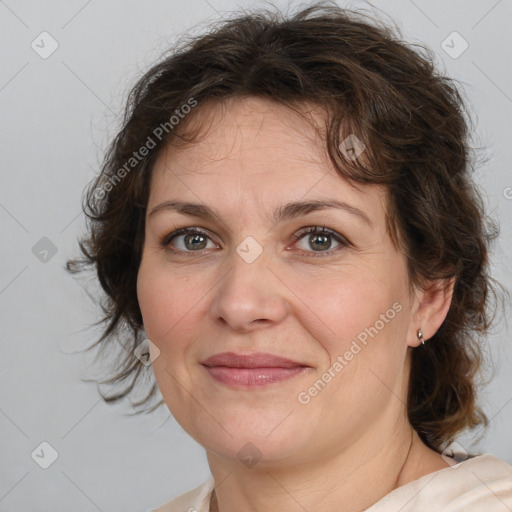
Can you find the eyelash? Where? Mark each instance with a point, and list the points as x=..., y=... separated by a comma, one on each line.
x=301, y=234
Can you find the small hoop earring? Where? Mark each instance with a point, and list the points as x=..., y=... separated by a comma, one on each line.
x=420, y=336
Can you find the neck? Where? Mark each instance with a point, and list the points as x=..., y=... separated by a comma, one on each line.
x=356, y=478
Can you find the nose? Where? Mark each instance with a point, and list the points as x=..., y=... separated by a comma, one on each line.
x=250, y=295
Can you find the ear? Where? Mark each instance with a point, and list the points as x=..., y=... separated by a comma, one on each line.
x=430, y=308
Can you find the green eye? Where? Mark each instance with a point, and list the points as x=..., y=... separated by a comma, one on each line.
x=321, y=238
x=194, y=240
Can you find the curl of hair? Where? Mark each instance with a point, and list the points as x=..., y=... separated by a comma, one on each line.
x=415, y=126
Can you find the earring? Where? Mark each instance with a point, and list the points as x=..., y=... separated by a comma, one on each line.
x=420, y=336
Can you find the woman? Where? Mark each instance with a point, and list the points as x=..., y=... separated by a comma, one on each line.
x=288, y=217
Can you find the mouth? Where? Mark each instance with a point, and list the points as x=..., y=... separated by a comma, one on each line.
x=254, y=370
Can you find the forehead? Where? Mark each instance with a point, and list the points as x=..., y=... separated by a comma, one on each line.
x=255, y=149
x=237, y=127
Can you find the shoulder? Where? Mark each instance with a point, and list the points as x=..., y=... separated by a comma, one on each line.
x=196, y=500
x=478, y=482
x=470, y=486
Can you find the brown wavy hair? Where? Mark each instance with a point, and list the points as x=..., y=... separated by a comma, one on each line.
x=416, y=128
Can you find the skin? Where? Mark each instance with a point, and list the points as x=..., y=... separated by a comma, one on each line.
x=352, y=443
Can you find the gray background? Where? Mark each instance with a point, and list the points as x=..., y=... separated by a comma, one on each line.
x=57, y=115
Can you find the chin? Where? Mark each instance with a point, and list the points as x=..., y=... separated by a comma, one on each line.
x=266, y=423
x=253, y=438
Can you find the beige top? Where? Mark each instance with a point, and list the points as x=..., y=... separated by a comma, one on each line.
x=479, y=484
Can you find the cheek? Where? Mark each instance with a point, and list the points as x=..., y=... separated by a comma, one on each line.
x=167, y=308
x=362, y=323
x=163, y=300
x=346, y=306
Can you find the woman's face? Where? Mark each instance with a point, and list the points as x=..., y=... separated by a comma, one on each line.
x=335, y=304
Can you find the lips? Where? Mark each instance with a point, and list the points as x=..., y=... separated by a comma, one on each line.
x=237, y=370
x=258, y=360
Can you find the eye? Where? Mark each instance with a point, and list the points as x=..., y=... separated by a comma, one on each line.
x=321, y=238
x=188, y=240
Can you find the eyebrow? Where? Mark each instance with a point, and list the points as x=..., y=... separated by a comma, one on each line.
x=285, y=212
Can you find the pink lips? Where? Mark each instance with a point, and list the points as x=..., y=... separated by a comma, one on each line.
x=252, y=370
